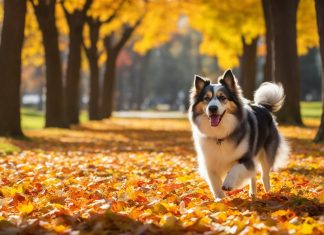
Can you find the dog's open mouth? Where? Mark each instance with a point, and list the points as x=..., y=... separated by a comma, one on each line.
x=215, y=119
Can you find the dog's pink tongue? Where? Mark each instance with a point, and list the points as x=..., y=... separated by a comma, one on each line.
x=214, y=120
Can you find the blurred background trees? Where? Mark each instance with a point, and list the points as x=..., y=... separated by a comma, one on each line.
x=109, y=55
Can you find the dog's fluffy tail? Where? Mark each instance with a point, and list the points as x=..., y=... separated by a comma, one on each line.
x=270, y=95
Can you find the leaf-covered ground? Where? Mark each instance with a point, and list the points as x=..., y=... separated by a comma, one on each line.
x=130, y=176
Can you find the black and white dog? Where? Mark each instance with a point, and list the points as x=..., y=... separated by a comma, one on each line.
x=233, y=136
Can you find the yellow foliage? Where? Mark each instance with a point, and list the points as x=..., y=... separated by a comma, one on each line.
x=73, y=5
x=160, y=22
x=307, y=35
x=33, y=52
x=223, y=24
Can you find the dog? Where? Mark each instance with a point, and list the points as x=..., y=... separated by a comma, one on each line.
x=233, y=136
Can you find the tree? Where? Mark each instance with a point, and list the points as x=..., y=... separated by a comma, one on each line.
x=248, y=67
x=45, y=14
x=285, y=61
x=320, y=26
x=142, y=24
x=76, y=16
x=94, y=23
x=12, y=38
x=113, y=48
x=93, y=55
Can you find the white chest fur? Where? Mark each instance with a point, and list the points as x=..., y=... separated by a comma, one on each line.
x=218, y=157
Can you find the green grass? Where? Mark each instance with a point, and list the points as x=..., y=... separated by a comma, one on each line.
x=311, y=110
x=32, y=119
x=6, y=147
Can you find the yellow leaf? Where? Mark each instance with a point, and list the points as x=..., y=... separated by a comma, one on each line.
x=307, y=228
x=11, y=191
x=25, y=208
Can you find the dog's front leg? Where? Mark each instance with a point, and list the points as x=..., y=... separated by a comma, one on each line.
x=215, y=184
x=238, y=174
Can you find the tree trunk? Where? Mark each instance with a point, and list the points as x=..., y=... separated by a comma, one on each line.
x=143, y=80
x=72, y=86
x=268, y=72
x=248, y=67
x=12, y=38
x=285, y=61
x=320, y=25
x=45, y=14
x=93, y=56
x=76, y=22
x=113, y=49
x=109, y=85
x=94, y=91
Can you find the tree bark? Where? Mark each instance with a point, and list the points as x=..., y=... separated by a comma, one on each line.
x=285, y=61
x=319, y=4
x=76, y=22
x=93, y=56
x=72, y=86
x=45, y=14
x=268, y=72
x=248, y=67
x=109, y=82
x=12, y=38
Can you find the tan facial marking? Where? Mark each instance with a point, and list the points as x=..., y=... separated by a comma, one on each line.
x=231, y=107
x=208, y=94
x=220, y=93
x=199, y=108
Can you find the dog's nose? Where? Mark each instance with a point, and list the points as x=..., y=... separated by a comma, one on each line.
x=213, y=109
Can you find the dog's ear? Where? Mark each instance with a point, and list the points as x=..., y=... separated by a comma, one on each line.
x=228, y=80
x=200, y=83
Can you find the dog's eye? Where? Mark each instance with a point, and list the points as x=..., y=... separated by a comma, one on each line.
x=222, y=98
x=206, y=99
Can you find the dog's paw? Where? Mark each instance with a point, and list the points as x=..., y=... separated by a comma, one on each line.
x=229, y=183
x=226, y=188
x=252, y=195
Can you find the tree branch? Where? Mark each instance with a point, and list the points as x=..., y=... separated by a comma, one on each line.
x=83, y=11
x=86, y=49
x=110, y=18
x=86, y=6
x=127, y=34
x=33, y=3
x=66, y=13
x=108, y=41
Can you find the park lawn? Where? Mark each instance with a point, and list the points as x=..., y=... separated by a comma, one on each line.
x=311, y=110
x=34, y=119
x=138, y=176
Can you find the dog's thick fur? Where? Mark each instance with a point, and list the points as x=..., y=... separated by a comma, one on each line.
x=233, y=136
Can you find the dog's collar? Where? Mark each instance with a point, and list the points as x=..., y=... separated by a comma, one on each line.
x=219, y=141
